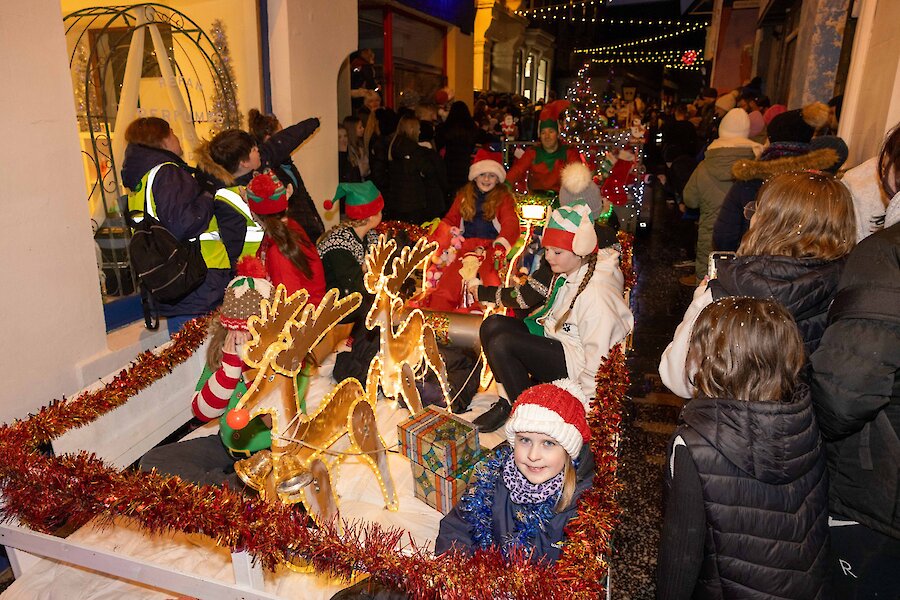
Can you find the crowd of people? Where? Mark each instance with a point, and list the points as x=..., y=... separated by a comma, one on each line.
x=783, y=475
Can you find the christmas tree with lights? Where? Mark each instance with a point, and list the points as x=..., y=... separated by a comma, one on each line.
x=584, y=119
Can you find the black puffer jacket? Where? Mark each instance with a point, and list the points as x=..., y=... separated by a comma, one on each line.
x=856, y=387
x=804, y=286
x=765, y=492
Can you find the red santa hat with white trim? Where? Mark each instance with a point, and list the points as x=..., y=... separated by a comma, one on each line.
x=486, y=161
x=557, y=409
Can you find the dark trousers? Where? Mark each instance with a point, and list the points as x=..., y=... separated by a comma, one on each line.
x=518, y=358
x=866, y=563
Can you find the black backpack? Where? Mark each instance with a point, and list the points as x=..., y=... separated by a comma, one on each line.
x=168, y=269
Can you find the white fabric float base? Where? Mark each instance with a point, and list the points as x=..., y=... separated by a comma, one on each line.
x=359, y=499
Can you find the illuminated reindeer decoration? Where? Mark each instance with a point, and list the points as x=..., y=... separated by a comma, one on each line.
x=296, y=469
x=406, y=344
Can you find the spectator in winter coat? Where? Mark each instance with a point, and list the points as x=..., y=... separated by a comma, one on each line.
x=347, y=172
x=413, y=169
x=184, y=206
x=746, y=510
x=275, y=148
x=712, y=179
x=456, y=139
x=788, y=150
x=856, y=394
x=800, y=233
x=873, y=185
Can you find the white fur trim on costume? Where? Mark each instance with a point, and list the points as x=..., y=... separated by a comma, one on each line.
x=576, y=177
x=537, y=419
x=503, y=242
x=487, y=166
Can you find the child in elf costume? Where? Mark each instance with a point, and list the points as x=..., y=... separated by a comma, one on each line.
x=524, y=495
x=583, y=317
x=485, y=213
x=542, y=164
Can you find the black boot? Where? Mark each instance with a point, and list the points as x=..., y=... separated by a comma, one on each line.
x=495, y=417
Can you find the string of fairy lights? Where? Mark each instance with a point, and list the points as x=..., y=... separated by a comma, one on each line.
x=646, y=40
x=566, y=12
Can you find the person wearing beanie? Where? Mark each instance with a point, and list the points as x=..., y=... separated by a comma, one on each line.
x=788, y=150
x=484, y=216
x=343, y=248
x=522, y=496
x=757, y=127
x=290, y=258
x=711, y=180
x=210, y=459
x=542, y=164
x=584, y=316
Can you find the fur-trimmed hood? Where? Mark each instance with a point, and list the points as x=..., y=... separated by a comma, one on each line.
x=746, y=170
x=206, y=164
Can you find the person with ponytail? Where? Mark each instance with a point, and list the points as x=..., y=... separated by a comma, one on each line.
x=585, y=315
x=288, y=254
x=275, y=147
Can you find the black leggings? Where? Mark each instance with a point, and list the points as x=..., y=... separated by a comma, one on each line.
x=518, y=358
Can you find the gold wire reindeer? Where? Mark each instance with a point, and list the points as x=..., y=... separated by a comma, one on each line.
x=294, y=470
x=407, y=345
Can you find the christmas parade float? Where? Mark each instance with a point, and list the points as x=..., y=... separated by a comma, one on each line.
x=387, y=472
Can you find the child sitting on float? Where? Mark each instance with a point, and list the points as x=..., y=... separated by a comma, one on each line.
x=523, y=496
x=210, y=459
x=483, y=216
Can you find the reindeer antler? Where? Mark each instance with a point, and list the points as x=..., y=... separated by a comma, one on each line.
x=407, y=262
x=268, y=327
x=376, y=261
x=304, y=333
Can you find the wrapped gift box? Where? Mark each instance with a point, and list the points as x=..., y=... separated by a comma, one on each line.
x=439, y=492
x=440, y=442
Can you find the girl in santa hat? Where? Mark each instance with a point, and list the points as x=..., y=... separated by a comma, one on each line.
x=484, y=213
x=525, y=493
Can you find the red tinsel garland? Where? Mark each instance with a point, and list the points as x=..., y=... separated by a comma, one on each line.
x=415, y=232
x=46, y=492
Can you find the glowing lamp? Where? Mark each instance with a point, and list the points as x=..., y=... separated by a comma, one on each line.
x=533, y=212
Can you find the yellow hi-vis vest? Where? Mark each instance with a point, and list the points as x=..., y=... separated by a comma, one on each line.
x=254, y=233
x=211, y=246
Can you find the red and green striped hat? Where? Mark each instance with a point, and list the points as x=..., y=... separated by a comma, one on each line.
x=550, y=114
x=361, y=200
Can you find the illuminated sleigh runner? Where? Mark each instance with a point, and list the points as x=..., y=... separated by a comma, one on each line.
x=297, y=468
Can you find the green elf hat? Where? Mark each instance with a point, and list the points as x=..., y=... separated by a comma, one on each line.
x=361, y=200
x=550, y=114
x=266, y=194
x=570, y=228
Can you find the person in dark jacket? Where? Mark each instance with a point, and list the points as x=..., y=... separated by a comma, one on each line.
x=788, y=150
x=275, y=148
x=456, y=139
x=794, y=252
x=747, y=482
x=410, y=168
x=524, y=494
x=856, y=394
x=184, y=207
